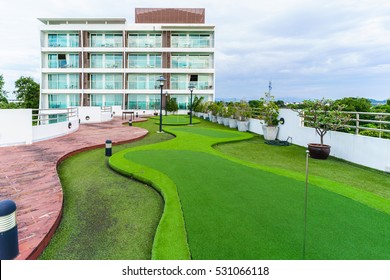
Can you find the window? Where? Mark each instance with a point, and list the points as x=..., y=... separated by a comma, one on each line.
x=96, y=60
x=96, y=100
x=137, y=60
x=154, y=61
x=63, y=60
x=113, y=60
x=137, y=81
x=63, y=81
x=179, y=81
x=63, y=100
x=179, y=61
x=143, y=102
x=145, y=40
x=96, y=81
x=113, y=100
x=63, y=40
x=113, y=81
x=110, y=40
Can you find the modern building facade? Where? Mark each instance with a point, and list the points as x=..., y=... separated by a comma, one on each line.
x=107, y=62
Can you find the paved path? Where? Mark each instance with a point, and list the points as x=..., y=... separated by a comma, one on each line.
x=28, y=176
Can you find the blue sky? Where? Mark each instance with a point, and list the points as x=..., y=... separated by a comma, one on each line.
x=309, y=49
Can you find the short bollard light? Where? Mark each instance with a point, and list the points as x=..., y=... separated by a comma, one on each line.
x=130, y=122
x=9, y=245
x=108, y=148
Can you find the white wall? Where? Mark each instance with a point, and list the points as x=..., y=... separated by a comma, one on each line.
x=368, y=151
x=15, y=127
x=44, y=132
x=93, y=115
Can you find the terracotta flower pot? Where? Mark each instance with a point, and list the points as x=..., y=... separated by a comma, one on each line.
x=318, y=151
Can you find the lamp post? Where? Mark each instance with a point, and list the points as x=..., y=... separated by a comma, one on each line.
x=166, y=101
x=191, y=88
x=161, y=80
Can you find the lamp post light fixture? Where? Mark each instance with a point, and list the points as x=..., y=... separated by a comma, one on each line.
x=191, y=88
x=161, y=81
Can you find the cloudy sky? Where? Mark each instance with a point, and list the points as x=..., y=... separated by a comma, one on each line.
x=307, y=48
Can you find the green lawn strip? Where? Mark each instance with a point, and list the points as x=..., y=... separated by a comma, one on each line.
x=170, y=241
x=241, y=212
x=106, y=215
x=292, y=158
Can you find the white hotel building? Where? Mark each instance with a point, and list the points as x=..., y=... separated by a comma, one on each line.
x=107, y=62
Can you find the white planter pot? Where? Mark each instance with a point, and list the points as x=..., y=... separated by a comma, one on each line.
x=226, y=121
x=214, y=119
x=210, y=116
x=205, y=116
x=242, y=125
x=220, y=120
x=232, y=123
x=270, y=132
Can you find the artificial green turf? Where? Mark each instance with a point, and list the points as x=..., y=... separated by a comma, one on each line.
x=246, y=213
x=176, y=120
x=241, y=210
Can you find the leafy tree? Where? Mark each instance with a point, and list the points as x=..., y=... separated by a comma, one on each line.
x=27, y=91
x=3, y=93
x=254, y=103
x=280, y=103
x=388, y=102
x=354, y=104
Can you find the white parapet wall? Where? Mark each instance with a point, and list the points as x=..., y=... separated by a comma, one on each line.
x=49, y=131
x=93, y=115
x=368, y=151
x=15, y=127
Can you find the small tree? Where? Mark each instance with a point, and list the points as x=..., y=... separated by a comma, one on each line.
x=269, y=110
x=323, y=116
x=172, y=105
x=243, y=111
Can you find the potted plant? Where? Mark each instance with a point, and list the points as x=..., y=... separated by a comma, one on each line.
x=323, y=116
x=214, y=111
x=232, y=113
x=243, y=113
x=220, y=110
x=269, y=112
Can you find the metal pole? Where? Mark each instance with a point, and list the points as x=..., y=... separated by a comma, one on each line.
x=305, y=207
x=191, y=107
x=161, y=90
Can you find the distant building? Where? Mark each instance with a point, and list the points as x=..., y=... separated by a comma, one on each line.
x=107, y=62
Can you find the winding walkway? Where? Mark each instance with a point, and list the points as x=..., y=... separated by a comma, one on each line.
x=28, y=176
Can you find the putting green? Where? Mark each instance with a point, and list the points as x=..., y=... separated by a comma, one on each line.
x=236, y=210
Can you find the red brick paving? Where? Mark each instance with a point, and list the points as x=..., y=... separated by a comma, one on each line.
x=28, y=176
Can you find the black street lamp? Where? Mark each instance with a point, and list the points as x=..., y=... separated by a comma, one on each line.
x=191, y=88
x=161, y=80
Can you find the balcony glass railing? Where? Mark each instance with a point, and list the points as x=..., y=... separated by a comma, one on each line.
x=62, y=64
x=106, y=85
x=191, y=43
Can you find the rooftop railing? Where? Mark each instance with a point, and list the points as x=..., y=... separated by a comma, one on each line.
x=360, y=123
x=50, y=116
